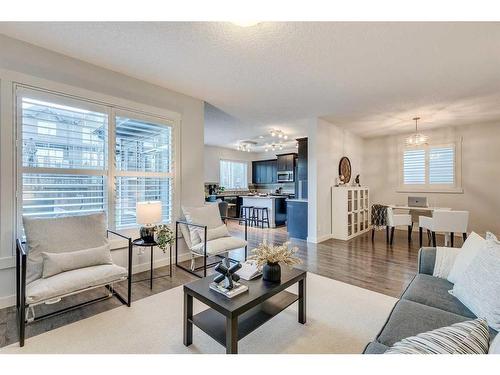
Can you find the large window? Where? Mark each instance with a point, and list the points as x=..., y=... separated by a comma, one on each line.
x=430, y=167
x=233, y=174
x=66, y=168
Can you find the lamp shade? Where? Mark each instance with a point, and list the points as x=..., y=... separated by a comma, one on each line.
x=148, y=212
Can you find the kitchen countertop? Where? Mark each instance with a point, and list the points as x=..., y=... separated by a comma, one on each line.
x=265, y=197
x=297, y=200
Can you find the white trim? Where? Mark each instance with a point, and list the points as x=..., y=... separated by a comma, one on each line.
x=456, y=188
x=319, y=239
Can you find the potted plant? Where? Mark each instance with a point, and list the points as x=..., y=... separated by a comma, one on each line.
x=164, y=236
x=269, y=257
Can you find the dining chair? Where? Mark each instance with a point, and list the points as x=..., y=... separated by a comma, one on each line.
x=444, y=221
x=396, y=220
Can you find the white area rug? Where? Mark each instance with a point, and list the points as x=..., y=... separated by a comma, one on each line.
x=341, y=318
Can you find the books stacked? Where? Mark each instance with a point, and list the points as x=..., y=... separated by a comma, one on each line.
x=229, y=293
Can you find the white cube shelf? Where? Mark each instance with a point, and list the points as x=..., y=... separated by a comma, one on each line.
x=350, y=211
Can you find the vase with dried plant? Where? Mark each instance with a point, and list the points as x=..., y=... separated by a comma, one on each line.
x=269, y=257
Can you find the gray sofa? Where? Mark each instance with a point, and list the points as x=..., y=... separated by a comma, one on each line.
x=425, y=305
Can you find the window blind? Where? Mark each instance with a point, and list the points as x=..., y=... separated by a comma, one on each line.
x=233, y=174
x=130, y=190
x=414, y=167
x=57, y=136
x=442, y=165
x=142, y=146
x=51, y=195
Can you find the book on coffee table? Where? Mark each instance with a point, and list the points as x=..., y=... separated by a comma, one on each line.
x=237, y=289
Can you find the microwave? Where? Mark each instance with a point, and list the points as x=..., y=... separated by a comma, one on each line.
x=285, y=176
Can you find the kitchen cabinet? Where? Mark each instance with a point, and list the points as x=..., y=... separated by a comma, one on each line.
x=286, y=162
x=264, y=172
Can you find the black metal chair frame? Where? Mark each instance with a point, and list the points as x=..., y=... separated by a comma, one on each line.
x=205, y=256
x=22, y=306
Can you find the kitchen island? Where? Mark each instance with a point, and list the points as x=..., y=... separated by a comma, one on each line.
x=276, y=207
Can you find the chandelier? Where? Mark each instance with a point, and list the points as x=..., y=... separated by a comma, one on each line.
x=416, y=139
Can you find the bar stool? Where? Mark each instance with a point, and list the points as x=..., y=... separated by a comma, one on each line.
x=246, y=212
x=260, y=216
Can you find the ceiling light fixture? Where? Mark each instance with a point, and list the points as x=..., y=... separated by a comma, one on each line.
x=245, y=23
x=416, y=139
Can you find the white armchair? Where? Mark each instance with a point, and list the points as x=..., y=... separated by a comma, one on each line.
x=444, y=221
x=206, y=235
x=396, y=220
x=61, y=257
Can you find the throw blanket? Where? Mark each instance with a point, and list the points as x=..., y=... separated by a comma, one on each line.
x=379, y=216
x=445, y=257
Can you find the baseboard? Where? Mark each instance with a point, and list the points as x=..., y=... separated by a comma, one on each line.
x=9, y=301
x=319, y=239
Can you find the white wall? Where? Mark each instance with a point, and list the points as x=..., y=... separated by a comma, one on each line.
x=480, y=174
x=327, y=144
x=213, y=155
x=33, y=61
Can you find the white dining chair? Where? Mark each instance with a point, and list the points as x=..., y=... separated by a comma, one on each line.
x=397, y=220
x=444, y=221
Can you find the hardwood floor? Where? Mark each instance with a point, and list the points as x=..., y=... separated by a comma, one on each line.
x=376, y=266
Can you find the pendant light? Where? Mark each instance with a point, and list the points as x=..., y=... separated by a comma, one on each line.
x=416, y=139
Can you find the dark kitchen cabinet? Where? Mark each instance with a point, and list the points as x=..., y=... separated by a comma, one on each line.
x=302, y=159
x=264, y=172
x=286, y=162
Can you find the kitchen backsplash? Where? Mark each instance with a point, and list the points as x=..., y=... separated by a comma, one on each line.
x=287, y=188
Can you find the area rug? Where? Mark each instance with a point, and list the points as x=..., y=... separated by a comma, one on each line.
x=341, y=318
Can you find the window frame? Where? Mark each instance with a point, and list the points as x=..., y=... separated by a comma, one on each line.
x=132, y=110
x=456, y=187
x=245, y=162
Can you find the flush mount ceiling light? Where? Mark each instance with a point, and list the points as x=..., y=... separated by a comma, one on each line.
x=246, y=23
x=416, y=139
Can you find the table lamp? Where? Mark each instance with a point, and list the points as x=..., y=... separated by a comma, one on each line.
x=148, y=215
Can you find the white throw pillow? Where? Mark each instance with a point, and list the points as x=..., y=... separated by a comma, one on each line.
x=445, y=259
x=495, y=345
x=208, y=215
x=469, y=250
x=219, y=232
x=55, y=263
x=479, y=287
x=470, y=337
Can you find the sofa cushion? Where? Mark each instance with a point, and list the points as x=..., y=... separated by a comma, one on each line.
x=434, y=292
x=410, y=318
x=73, y=281
x=54, y=263
x=60, y=235
x=220, y=245
x=375, y=348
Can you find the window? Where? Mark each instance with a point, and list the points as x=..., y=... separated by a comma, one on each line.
x=143, y=167
x=66, y=169
x=430, y=168
x=233, y=174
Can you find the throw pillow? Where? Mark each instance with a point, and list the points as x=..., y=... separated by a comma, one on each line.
x=445, y=259
x=208, y=215
x=469, y=250
x=470, y=337
x=55, y=263
x=219, y=232
x=478, y=288
x=495, y=345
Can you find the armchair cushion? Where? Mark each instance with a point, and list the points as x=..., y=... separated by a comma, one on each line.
x=60, y=235
x=208, y=215
x=73, y=281
x=220, y=245
x=54, y=263
x=219, y=232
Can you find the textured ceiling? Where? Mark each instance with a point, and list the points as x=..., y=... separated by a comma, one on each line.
x=371, y=78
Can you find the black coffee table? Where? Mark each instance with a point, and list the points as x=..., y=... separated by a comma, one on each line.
x=230, y=319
